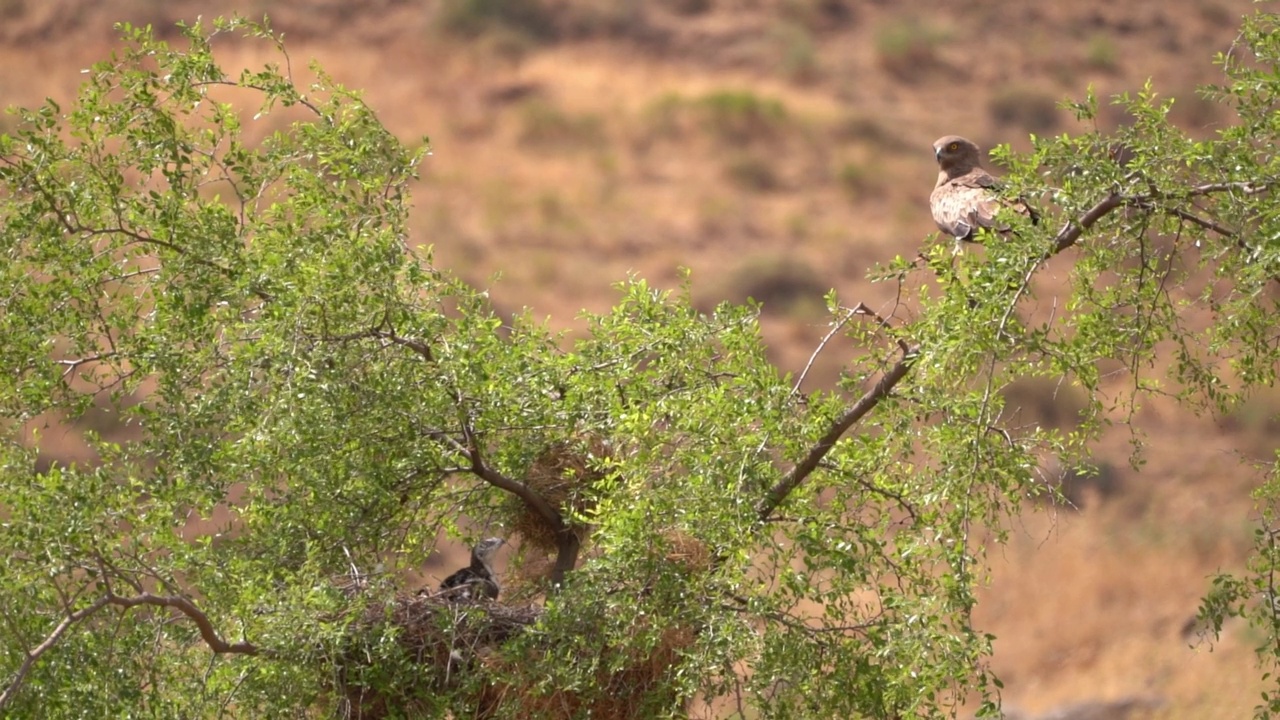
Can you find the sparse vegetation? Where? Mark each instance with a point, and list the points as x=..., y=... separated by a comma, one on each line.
x=908, y=48
x=687, y=7
x=1255, y=421
x=859, y=181
x=782, y=285
x=732, y=117
x=817, y=15
x=741, y=116
x=1078, y=487
x=1027, y=108
x=753, y=172
x=546, y=126
x=471, y=18
x=799, y=55
x=1101, y=53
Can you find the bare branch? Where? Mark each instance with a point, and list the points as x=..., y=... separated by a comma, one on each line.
x=1071, y=232
x=385, y=332
x=1244, y=188
x=296, y=98
x=417, y=346
x=864, y=309
x=72, y=365
x=898, y=497
x=195, y=614
x=835, y=328
x=865, y=404
x=1202, y=222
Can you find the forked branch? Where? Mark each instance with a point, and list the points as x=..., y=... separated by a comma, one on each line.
x=1066, y=237
x=865, y=404
x=33, y=655
x=183, y=605
x=567, y=542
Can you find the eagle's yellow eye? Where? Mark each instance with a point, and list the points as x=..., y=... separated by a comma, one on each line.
x=953, y=146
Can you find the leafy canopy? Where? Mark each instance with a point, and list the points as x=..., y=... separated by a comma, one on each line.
x=300, y=403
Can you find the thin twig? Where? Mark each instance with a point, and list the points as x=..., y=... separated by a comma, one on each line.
x=1202, y=222
x=835, y=328
x=864, y=309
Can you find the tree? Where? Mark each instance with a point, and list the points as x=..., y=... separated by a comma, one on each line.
x=692, y=527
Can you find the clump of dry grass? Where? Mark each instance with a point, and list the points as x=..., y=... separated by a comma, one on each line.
x=1026, y=108
x=907, y=48
x=563, y=475
x=686, y=551
x=783, y=285
x=471, y=18
x=752, y=172
x=549, y=127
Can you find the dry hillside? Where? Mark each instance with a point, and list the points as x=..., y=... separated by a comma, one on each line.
x=778, y=149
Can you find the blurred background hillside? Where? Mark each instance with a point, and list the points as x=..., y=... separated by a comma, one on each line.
x=779, y=149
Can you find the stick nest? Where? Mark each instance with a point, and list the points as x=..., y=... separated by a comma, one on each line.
x=443, y=637
x=453, y=647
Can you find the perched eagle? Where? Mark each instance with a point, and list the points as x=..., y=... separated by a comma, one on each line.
x=476, y=580
x=965, y=197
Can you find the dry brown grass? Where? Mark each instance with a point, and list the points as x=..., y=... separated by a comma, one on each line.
x=564, y=475
x=685, y=551
x=1098, y=604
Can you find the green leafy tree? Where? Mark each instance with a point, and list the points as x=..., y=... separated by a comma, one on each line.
x=691, y=527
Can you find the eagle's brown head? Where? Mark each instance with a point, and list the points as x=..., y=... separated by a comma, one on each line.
x=956, y=155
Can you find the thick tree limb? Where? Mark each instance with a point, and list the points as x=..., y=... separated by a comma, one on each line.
x=798, y=474
x=177, y=602
x=195, y=614
x=519, y=489
x=567, y=542
x=34, y=654
x=1072, y=231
